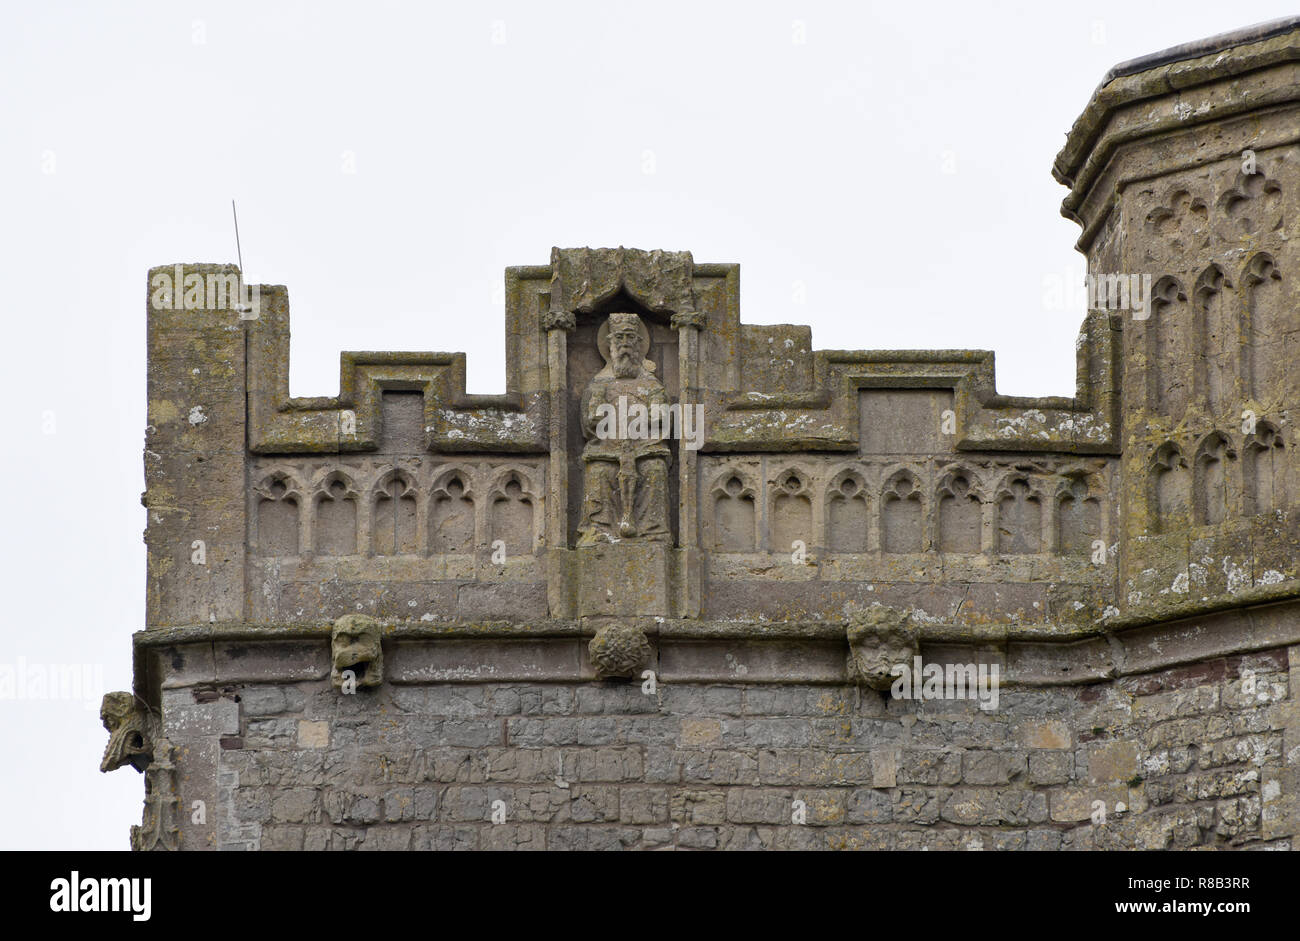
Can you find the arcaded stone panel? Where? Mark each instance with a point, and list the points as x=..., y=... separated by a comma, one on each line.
x=1209, y=477
x=1181, y=758
x=1030, y=541
x=194, y=453
x=448, y=508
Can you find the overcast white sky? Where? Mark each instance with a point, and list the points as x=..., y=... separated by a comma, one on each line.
x=880, y=171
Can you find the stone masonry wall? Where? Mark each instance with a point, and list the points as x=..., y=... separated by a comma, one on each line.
x=481, y=567
x=1186, y=757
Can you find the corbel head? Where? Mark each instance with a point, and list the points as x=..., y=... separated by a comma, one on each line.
x=880, y=637
x=355, y=648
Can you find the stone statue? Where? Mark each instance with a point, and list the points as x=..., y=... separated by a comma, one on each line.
x=624, y=419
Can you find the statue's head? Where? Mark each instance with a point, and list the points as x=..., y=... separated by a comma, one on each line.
x=627, y=346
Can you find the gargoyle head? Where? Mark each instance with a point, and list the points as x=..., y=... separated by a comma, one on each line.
x=130, y=732
x=879, y=638
x=355, y=646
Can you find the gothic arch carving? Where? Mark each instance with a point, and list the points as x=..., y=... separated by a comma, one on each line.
x=1078, y=515
x=335, y=514
x=512, y=518
x=1019, y=516
x=1267, y=368
x=959, y=512
x=1210, y=478
x=395, y=521
x=733, y=498
x=1170, y=496
x=1217, y=364
x=1264, y=470
x=452, y=517
x=278, y=514
x=848, y=518
x=791, y=509
x=901, y=513
x=1168, y=358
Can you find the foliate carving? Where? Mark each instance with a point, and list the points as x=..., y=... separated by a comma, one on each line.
x=131, y=732
x=619, y=650
x=582, y=278
x=689, y=318
x=355, y=648
x=159, y=829
x=559, y=319
x=625, y=480
x=880, y=637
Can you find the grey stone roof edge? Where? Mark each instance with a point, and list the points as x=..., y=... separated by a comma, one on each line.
x=1171, y=70
x=1201, y=47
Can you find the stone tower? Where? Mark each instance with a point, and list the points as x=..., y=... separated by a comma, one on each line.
x=690, y=583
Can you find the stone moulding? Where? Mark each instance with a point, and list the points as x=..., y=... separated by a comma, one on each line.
x=455, y=421
x=690, y=651
x=517, y=422
x=1127, y=108
x=1085, y=424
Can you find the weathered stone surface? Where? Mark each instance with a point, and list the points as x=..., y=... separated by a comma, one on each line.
x=1095, y=599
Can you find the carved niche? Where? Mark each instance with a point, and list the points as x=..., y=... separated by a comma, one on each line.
x=596, y=293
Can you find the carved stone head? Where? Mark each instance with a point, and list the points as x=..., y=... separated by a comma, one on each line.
x=130, y=732
x=880, y=637
x=355, y=646
x=627, y=345
x=619, y=650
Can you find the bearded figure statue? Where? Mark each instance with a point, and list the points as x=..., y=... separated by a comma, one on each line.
x=625, y=423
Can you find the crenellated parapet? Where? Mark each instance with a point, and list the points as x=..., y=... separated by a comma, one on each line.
x=700, y=556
